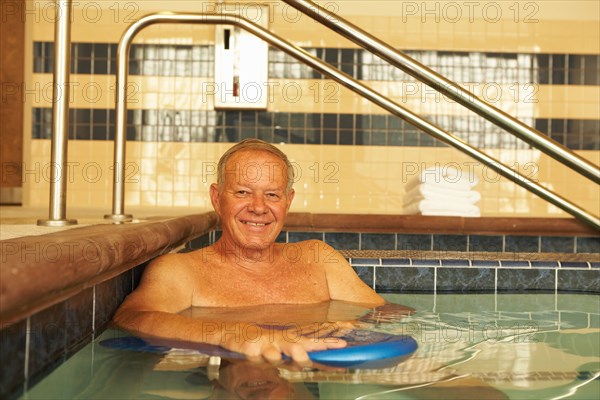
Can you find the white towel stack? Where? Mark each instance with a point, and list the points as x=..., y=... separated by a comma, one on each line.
x=442, y=191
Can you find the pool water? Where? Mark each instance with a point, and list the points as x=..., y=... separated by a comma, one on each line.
x=471, y=346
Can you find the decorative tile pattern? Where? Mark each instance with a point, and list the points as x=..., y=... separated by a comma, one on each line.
x=485, y=263
x=522, y=244
x=557, y=244
x=342, y=240
x=454, y=263
x=377, y=241
x=465, y=280
x=574, y=280
x=365, y=261
x=414, y=242
x=404, y=279
x=544, y=264
x=450, y=243
x=514, y=264
x=588, y=244
x=300, y=236
x=486, y=243
x=189, y=125
x=366, y=274
x=516, y=279
x=396, y=261
x=198, y=60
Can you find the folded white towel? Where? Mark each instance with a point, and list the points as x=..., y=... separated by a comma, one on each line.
x=441, y=193
x=429, y=207
x=444, y=176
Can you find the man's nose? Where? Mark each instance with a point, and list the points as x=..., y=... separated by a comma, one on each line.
x=257, y=204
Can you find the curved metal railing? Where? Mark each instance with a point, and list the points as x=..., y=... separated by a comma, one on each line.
x=447, y=87
x=322, y=67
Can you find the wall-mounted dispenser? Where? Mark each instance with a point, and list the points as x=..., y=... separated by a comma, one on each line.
x=241, y=65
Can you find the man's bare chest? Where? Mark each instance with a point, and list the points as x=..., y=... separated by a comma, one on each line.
x=297, y=284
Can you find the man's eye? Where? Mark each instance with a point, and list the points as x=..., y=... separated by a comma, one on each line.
x=272, y=195
x=242, y=192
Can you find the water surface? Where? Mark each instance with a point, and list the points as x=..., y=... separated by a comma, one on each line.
x=485, y=346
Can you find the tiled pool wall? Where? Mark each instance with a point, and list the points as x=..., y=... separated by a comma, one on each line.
x=455, y=263
x=56, y=299
x=33, y=347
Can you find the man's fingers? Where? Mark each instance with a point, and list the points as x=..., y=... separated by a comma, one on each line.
x=298, y=353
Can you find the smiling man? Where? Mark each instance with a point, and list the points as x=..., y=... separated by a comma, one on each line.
x=245, y=267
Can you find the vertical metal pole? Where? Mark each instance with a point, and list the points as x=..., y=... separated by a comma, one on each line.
x=60, y=117
x=118, y=207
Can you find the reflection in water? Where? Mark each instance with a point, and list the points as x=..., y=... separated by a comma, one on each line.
x=483, y=353
x=245, y=380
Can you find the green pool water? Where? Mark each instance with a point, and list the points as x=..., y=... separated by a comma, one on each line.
x=471, y=346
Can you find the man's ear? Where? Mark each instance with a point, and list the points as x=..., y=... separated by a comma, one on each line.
x=290, y=197
x=214, y=197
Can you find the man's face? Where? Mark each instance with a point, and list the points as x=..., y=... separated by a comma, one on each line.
x=253, y=201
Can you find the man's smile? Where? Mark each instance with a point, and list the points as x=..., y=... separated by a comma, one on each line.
x=257, y=224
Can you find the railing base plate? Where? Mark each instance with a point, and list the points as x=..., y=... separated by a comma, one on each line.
x=119, y=218
x=56, y=222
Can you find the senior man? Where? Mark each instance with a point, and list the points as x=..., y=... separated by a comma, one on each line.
x=245, y=267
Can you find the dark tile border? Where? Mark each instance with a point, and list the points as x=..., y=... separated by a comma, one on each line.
x=461, y=276
x=59, y=331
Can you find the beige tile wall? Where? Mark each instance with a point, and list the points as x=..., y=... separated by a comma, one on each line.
x=344, y=179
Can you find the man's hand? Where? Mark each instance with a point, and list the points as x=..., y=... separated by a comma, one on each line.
x=270, y=343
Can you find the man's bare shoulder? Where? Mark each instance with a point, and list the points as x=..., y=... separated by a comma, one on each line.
x=166, y=285
x=172, y=266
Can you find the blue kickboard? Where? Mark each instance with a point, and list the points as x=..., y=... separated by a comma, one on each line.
x=365, y=349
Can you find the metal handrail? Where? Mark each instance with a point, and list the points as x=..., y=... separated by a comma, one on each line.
x=447, y=87
x=57, y=213
x=322, y=67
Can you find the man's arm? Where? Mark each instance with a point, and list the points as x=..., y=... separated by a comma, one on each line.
x=166, y=289
x=342, y=281
x=151, y=310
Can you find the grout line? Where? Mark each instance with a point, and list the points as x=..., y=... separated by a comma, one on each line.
x=496, y=281
x=27, y=349
x=435, y=278
x=374, y=276
x=93, y=312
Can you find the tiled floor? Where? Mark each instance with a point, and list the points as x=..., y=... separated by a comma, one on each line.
x=16, y=221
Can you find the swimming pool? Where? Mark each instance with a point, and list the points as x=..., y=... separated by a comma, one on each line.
x=480, y=346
